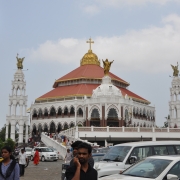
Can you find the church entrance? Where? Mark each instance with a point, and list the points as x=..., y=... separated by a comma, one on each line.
x=52, y=128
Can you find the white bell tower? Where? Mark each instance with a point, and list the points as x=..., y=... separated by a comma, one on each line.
x=174, y=104
x=18, y=105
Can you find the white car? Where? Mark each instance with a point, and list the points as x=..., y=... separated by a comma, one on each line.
x=28, y=151
x=154, y=167
x=118, y=158
x=45, y=154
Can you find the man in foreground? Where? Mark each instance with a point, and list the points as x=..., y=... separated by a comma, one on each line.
x=81, y=169
x=75, y=151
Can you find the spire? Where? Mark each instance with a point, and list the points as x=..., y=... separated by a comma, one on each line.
x=90, y=57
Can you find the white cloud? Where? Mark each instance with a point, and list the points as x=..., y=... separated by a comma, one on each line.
x=151, y=50
x=120, y=3
x=91, y=9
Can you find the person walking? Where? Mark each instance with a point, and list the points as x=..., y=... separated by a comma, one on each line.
x=22, y=161
x=36, y=157
x=82, y=170
x=69, y=156
x=9, y=169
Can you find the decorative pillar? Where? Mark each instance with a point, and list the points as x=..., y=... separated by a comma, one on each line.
x=122, y=120
x=103, y=116
x=7, y=130
x=75, y=109
x=87, y=121
x=26, y=138
x=13, y=132
x=21, y=110
x=20, y=134
x=9, y=110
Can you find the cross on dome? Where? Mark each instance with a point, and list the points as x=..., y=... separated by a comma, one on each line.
x=89, y=43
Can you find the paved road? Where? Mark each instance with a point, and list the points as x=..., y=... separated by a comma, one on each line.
x=43, y=171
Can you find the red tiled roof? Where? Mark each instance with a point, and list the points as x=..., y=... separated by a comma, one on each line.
x=88, y=71
x=81, y=90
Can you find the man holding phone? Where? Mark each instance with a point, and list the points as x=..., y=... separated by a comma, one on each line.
x=81, y=169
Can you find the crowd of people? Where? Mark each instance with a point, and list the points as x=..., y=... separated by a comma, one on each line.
x=78, y=155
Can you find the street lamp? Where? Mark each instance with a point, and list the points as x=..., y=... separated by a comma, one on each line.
x=85, y=136
x=141, y=138
x=95, y=138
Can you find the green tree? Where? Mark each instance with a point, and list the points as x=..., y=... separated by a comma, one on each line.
x=1, y=144
x=3, y=133
x=10, y=142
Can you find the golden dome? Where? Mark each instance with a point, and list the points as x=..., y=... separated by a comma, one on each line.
x=90, y=58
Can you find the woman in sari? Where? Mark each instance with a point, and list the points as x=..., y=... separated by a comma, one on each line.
x=36, y=157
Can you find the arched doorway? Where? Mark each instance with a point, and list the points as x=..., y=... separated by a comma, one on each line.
x=72, y=113
x=65, y=126
x=45, y=128
x=45, y=113
x=34, y=130
x=112, y=120
x=34, y=114
x=52, y=112
x=71, y=125
x=65, y=111
x=59, y=128
x=52, y=127
x=95, y=118
x=79, y=113
x=40, y=128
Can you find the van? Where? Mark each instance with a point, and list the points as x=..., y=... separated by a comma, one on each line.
x=121, y=156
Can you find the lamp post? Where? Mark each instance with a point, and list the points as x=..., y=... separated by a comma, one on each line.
x=141, y=138
x=95, y=138
x=85, y=136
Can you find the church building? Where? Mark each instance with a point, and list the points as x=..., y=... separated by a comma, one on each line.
x=90, y=96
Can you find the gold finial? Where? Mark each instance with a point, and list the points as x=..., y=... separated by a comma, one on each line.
x=107, y=65
x=19, y=62
x=175, y=69
x=89, y=43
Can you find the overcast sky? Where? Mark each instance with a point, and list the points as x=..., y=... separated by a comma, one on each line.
x=141, y=36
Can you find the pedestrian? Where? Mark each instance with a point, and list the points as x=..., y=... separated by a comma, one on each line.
x=82, y=170
x=75, y=151
x=68, y=156
x=36, y=157
x=9, y=169
x=22, y=161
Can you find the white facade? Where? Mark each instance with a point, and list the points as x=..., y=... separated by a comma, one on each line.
x=17, y=108
x=174, y=103
x=106, y=107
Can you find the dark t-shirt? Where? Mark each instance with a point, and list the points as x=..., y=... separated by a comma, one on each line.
x=90, y=174
x=90, y=161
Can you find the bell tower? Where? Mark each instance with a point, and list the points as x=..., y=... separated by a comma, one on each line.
x=174, y=104
x=17, y=106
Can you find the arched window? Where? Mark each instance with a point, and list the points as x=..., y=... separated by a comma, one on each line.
x=72, y=113
x=45, y=113
x=34, y=114
x=95, y=114
x=53, y=112
x=59, y=112
x=79, y=113
x=112, y=114
x=95, y=118
x=112, y=119
x=65, y=126
x=40, y=113
x=71, y=125
x=45, y=128
x=52, y=127
x=34, y=129
x=39, y=128
x=126, y=115
x=65, y=111
x=59, y=128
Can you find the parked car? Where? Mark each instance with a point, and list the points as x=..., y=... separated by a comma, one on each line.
x=97, y=156
x=45, y=154
x=101, y=150
x=154, y=167
x=119, y=156
x=28, y=151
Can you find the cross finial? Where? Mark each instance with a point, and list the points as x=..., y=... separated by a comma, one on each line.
x=90, y=41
